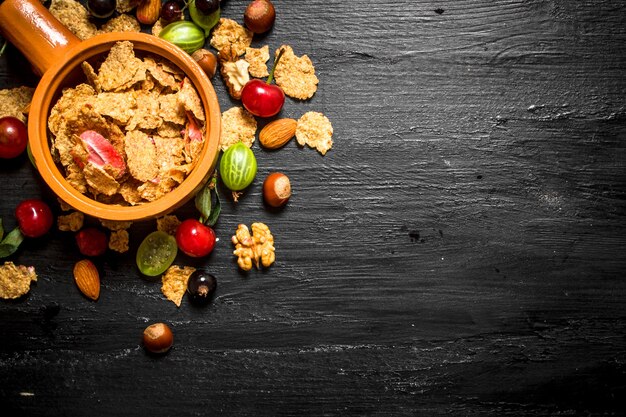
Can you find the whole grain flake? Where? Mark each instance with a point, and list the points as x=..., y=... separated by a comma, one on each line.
x=75, y=17
x=238, y=125
x=15, y=280
x=14, y=101
x=295, y=75
x=257, y=58
x=314, y=129
x=174, y=283
x=230, y=33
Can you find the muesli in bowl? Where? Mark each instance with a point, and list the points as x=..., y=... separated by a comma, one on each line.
x=132, y=133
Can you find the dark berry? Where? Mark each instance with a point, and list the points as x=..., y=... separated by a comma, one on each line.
x=92, y=241
x=207, y=6
x=171, y=11
x=201, y=286
x=101, y=8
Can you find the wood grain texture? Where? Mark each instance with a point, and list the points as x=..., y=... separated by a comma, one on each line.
x=459, y=251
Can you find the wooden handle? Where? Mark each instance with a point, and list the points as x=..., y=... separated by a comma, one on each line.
x=29, y=26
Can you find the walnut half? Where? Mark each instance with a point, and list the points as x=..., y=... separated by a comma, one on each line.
x=257, y=247
x=234, y=71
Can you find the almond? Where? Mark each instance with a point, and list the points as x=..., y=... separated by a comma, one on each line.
x=277, y=133
x=149, y=11
x=87, y=278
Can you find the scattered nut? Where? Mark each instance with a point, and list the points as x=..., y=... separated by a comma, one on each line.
x=259, y=16
x=258, y=246
x=276, y=189
x=158, y=338
x=207, y=61
x=87, y=279
x=277, y=133
x=149, y=11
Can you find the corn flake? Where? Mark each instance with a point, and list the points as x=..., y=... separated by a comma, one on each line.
x=15, y=280
x=141, y=156
x=72, y=222
x=120, y=68
x=124, y=6
x=118, y=241
x=230, y=33
x=14, y=101
x=75, y=17
x=314, y=129
x=122, y=23
x=295, y=75
x=174, y=283
x=257, y=58
x=238, y=125
x=168, y=224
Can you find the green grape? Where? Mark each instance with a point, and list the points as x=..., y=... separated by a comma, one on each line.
x=156, y=253
x=205, y=21
x=238, y=167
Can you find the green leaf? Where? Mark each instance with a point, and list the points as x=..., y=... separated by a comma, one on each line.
x=11, y=242
x=216, y=209
x=203, y=203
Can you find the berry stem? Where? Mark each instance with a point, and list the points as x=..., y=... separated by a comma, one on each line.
x=271, y=76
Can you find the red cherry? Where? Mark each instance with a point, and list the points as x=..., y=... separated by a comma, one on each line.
x=13, y=137
x=92, y=241
x=194, y=238
x=262, y=98
x=34, y=217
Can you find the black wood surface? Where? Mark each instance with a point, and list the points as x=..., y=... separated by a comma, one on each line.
x=459, y=251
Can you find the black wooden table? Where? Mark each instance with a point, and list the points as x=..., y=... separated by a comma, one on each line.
x=459, y=251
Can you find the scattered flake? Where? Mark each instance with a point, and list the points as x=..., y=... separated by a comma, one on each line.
x=15, y=280
x=175, y=283
x=14, y=101
x=72, y=222
x=75, y=17
x=295, y=75
x=257, y=58
x=115, y=225
x=141, y=156
x=118, y=241
x=157, y=27
x=122, y=23
x=124, y=6
x=168, y=224
x=315, y=130
x=238, y=125
x=230, y=33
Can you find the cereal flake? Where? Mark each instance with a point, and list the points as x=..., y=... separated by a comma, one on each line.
x=15, y=280
x=257, y=58
x=14, y=101
x=238, y=125
x=230, y=33
x=314, y=129
x=174, y=283
x=168, y=224
x=118, y=241
x=75, y=17
x=122, y=23
x=295, y=75
x=72, y=222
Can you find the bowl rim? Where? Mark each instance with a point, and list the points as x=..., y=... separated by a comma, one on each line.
x=54, y=78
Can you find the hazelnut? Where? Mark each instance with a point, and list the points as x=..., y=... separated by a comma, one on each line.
x=276, y=189
x=207, y=61
x=158, y=338
x=259, y=16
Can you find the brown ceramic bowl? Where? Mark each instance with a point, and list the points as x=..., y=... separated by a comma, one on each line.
x=57, y=54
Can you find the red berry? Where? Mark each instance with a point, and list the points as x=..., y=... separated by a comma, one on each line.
x=13, y=137
x=34, y=217
x=91, y=241
x=194, y=238
x=261, y=99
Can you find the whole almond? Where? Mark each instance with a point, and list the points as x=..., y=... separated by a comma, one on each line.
x=277, y=133
x=87, y=278
x=149, y=11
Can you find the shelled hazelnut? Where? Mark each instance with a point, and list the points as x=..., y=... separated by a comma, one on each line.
x=158, y=338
